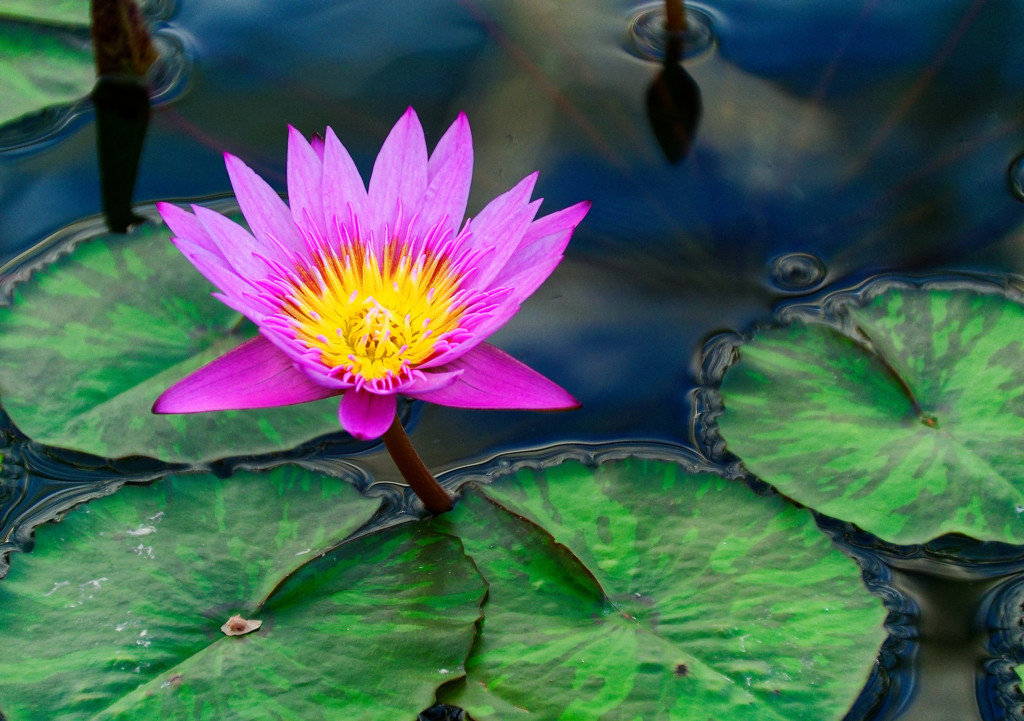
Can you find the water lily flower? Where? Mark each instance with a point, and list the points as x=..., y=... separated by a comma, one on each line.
x=371, y=292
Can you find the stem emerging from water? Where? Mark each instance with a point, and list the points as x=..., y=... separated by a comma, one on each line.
x=675, y=17
x=419, y=478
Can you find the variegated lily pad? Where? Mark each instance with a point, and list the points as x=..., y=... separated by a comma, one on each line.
x=905, y=418
x=117, y=612
x=639, y=590
x=91, y=340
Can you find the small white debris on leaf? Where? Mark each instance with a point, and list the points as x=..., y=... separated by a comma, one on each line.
x=238, y=626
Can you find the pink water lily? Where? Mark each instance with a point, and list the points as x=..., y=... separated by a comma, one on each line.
x=371, y=292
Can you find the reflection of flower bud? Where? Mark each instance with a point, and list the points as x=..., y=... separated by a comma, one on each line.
x=120, y=38
x=122, y=117
x=674, y=108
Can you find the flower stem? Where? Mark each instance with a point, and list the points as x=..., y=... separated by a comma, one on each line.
x=675, y=16
x=419, y=478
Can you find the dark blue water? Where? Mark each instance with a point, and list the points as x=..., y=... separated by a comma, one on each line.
x=837, y=140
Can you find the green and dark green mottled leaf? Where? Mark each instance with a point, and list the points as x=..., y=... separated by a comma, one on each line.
x=117, y=611
x=42, y=67
x=832, y=422
x=68, y=13
x=91, y=341
x=638, y=590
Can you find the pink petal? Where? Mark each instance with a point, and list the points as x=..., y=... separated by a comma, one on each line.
x=493, y=379
x=247, y=305
x=500, y=227
x=449, y=172
x=211, y=255
x=533, y=261
x=235, y=243
x=253, y=375
x=540, y=251
x=268, y=216
x=186, y=226
x=279, y=333
x=366, y=415
x=237, y=290
x=342, y=186
x=317, y=143
x=305, y=185
x=399, y=173
x=431, y=381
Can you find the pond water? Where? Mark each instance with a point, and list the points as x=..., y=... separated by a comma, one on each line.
x=837, y=141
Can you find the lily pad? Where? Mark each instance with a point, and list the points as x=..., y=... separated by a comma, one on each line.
x=43, y=67
x=50, y=64
x=74, y=13
x=90, y=341
x=639, y=590
x=117, y=612
x=904, y=418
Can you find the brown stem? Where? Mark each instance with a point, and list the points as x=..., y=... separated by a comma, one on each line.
x=675, y=16
x=419, y=478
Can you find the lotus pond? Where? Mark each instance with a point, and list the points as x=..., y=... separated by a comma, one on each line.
x=793, y=318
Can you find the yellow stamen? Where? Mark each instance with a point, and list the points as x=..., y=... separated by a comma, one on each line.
x=375, y=318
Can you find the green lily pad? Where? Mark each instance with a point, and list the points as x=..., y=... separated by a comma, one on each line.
x=73, y=13
x=91, y=341
x=908, y=424
x=117, y=612
x=638, y=590
x=43, y=67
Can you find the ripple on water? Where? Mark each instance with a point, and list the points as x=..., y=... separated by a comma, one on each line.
x=798, y=272
x=1015, y=177
x=647, y=36
x=165, y=81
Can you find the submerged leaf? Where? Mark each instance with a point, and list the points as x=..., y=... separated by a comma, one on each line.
x=638, y=590
x=909, y=426
x=92, y=340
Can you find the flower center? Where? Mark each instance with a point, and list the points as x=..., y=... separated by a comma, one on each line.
x=375, y=319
